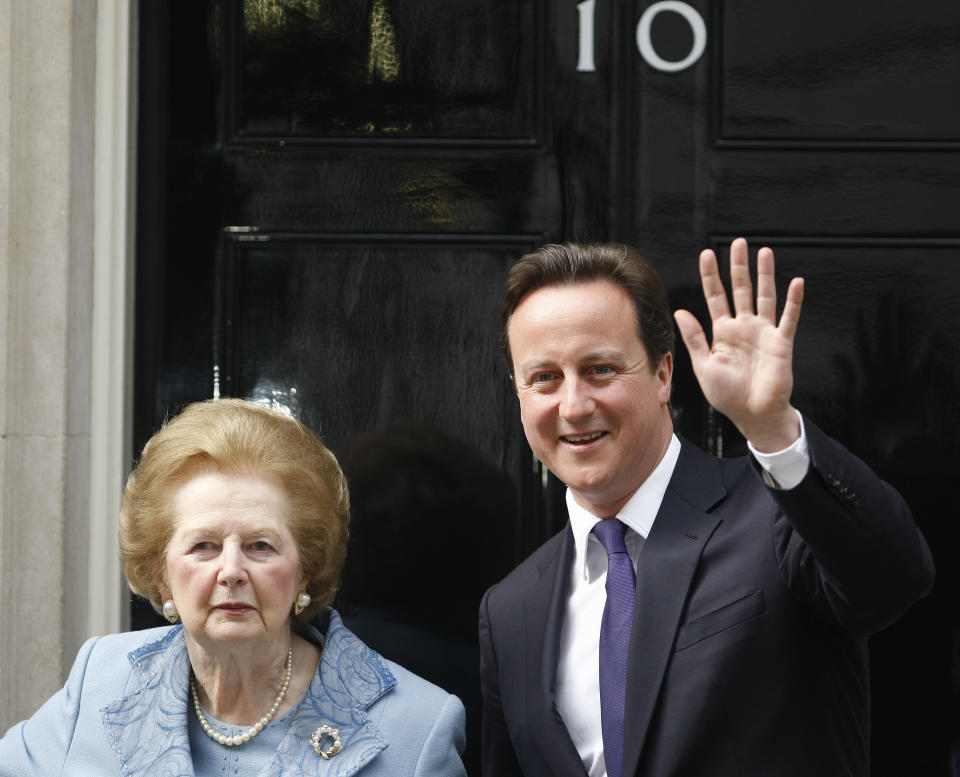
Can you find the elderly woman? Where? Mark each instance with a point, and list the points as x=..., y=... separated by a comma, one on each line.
x=234, y=526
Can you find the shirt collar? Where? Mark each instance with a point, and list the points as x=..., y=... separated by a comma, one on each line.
x=638, y=513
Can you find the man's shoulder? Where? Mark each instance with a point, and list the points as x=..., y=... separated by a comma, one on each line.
x=531, y=570
x=700, y=475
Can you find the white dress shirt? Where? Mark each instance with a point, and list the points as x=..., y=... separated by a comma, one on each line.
x=578, y=670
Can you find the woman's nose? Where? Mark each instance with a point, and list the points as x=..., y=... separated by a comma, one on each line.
x=233, y=569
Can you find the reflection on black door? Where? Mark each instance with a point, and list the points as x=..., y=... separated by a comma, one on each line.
x=330, y=192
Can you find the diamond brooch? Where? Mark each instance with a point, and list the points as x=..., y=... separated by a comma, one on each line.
x=326, y=741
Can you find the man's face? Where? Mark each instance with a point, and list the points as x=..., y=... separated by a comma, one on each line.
x=593, y=409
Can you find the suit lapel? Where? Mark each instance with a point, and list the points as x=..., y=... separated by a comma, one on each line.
x=544, y=611
x=667, y=563
x=148, y=727
x=350, y=679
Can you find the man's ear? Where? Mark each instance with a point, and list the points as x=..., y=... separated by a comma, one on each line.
x=664, y=375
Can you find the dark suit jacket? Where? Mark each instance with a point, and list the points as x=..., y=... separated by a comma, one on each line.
x=748, y=654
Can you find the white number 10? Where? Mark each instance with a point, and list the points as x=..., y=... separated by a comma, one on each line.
x=586, y=9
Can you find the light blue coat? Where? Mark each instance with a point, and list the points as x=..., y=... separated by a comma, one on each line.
x=123, y=712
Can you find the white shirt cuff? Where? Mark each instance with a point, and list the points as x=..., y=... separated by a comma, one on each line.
x=785, y=469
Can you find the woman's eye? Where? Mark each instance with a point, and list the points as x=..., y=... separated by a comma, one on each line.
x=261, y=545
x=203, y=545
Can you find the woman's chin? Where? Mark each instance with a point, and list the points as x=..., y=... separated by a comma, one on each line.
x=234, y=629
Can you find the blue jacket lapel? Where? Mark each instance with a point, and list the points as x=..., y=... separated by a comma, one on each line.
x=667, y=563
x=351, y=678
x=148, y=725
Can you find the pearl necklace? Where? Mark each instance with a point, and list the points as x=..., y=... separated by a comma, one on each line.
x=251, y=732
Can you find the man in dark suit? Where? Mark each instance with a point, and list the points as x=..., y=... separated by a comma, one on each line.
x=757, y=580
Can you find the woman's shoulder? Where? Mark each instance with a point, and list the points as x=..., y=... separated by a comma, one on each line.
x=368, y=675
x=105, y=663
x=423, y=723
x=145, y=642
x=415, y=689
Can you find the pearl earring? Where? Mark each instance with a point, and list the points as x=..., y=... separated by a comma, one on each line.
x=303, y=601
x=170, y=611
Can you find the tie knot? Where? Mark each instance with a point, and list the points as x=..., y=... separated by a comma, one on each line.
x=610, y=532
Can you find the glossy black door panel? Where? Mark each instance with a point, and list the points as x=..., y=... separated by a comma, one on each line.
x=823, y=72
x=385, y=191
x=357, y=334
x=888, y=193
x=306, y=71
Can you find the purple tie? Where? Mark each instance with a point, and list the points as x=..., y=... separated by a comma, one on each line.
x=615, y=641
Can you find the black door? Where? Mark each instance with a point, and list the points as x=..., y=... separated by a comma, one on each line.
x=331, y=191
x=830, y=132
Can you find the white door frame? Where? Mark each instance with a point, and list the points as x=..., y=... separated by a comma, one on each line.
x=112, y=336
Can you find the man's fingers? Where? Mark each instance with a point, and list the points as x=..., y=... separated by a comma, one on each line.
x=742, y=293
x=693, y=336
x=790, y=317
x=713, y=291
x=766, y=286
x=740, y=287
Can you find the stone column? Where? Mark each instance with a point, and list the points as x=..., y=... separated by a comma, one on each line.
x=48, y=269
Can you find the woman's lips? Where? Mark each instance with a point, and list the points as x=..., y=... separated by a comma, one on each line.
x=234, y=608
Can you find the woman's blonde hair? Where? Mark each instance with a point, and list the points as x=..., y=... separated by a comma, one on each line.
x=236, y=437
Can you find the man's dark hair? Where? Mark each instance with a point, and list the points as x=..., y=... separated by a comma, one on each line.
x=570, y=264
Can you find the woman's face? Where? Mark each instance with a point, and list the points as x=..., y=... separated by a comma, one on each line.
x=232, y=566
